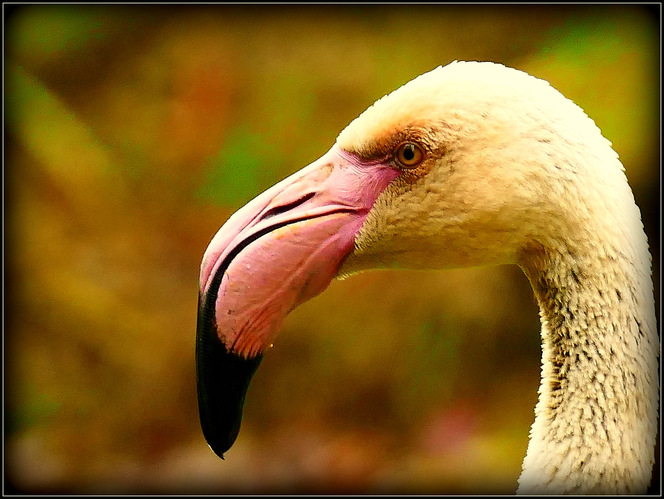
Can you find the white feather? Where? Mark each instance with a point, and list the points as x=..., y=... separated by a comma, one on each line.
x=517, y=173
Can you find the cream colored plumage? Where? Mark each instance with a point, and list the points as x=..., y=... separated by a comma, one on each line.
x=516, y=173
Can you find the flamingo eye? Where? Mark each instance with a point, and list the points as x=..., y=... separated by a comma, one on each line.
x=409, y=155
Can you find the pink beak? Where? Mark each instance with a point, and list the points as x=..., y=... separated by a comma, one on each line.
x=278, y=251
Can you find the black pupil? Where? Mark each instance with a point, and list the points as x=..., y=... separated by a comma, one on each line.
x=409, y=152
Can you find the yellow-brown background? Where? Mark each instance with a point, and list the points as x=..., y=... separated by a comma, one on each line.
x=132, y=133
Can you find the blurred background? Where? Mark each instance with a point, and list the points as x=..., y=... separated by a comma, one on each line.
x=133, y=132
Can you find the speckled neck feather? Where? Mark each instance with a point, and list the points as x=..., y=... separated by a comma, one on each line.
x=596, y=417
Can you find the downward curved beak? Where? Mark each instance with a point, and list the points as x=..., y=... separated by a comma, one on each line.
x=278, y=251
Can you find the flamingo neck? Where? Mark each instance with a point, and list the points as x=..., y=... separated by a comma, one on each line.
x=595, y=421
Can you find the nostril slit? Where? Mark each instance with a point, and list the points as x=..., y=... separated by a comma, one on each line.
x=278, y=210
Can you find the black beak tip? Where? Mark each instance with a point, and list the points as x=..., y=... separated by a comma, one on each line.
x=219, y=454
x=222, y=379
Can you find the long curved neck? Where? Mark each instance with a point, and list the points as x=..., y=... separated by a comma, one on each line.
x=595, y=421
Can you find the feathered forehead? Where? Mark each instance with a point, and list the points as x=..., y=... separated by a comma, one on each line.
x=446, y=94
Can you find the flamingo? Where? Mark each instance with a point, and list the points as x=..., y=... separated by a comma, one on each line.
x=473, y=163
